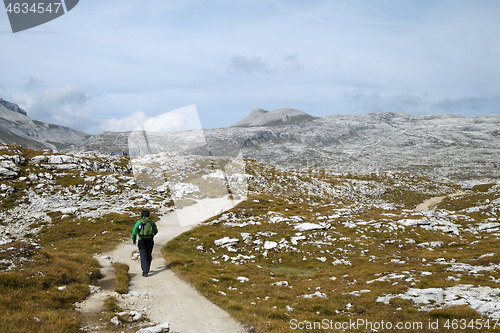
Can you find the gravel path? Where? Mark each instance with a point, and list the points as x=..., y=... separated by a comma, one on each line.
x=164, y=297
x=431, y=203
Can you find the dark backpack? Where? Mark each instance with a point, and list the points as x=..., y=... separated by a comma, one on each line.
x=146, y=230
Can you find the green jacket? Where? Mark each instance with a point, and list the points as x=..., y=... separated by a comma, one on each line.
x=135, y=231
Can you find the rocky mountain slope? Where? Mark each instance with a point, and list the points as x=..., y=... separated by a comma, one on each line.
x=443, y=147
x=446, y=147
x=17, y=128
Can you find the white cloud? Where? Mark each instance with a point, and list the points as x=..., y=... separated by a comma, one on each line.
x=124, y=124
x=182, y=119
x=62, y=105
x=167, y=122
x=239, y=64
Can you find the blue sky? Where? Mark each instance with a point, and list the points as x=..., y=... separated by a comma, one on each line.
x=107, y=65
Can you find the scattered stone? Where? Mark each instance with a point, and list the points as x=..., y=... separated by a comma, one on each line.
x=247, y=237
x=295, y=240
x=135, y=315
x=111, y=180
x=9, y=169
x=309, y=226
x=115, y=320
x=94, y=289
x=342, y=261
x=226, y=241
x=160, y=328
x=268, y=245
x=485, y=300
x=431, y=244
x=316, y=294
x=6, y=188
x=487, y=226
x=4, y=241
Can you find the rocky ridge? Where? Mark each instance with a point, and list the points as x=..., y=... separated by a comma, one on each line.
x=440, y=147
x=13, y=107
x=17, y=128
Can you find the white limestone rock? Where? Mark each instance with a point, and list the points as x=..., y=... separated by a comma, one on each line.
x=316, y=294
x=226, y=241
x=268, y=245
x=242, y=279
x=9, y=169
x=309, y=226
x=485, y=300
x=160, y=328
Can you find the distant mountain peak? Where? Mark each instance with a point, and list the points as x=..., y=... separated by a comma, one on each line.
x=261, y=117
x=12, y=107
x=258, y=111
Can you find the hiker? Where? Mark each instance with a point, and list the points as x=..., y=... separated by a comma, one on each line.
x=146, y=229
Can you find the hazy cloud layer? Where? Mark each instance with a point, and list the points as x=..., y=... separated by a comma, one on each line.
x=62, y=105
x=469, y=105
x=360, y=101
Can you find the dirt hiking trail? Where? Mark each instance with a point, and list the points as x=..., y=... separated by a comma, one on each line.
x=431, y=203
x=162, y=296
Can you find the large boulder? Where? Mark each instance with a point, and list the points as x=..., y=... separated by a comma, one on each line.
x=9, y=169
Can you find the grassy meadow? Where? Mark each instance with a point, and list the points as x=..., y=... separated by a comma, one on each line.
x=333, y=276
x=275, y=277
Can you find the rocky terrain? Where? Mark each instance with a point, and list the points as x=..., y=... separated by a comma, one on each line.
x=377, y=216
x=299, y=233
x=441, y=147
x=309, y=247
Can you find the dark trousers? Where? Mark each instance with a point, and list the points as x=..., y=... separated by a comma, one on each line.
x=145, y=250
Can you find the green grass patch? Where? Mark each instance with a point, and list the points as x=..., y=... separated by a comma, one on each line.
x=48, y=284
x=122, y=278
x=111, y=305
x=483, y=187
